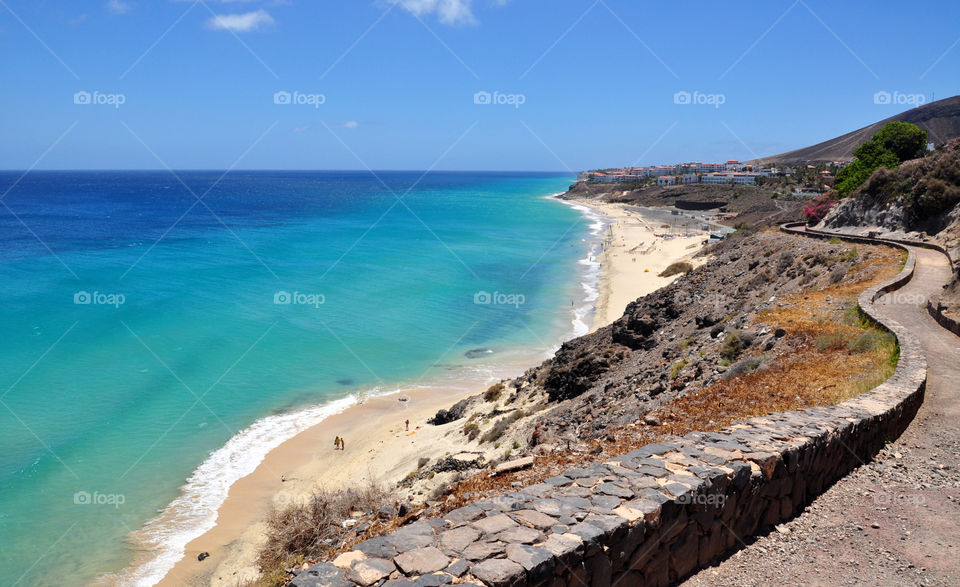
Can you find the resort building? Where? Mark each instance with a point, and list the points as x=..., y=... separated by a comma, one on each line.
x=731, y=177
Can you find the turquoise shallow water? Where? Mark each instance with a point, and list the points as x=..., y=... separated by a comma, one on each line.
x=151, y=338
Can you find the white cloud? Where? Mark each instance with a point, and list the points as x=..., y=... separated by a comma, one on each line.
x=241, y=23
x=351, y=124
x=448, y=11
x=118, y=7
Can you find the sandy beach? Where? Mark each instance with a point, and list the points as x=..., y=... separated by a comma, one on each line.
x=633, y=257
x=378, y=448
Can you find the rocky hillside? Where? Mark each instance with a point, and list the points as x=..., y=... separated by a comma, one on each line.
x=941, y=120
x=920, y=199
x=755, y=205
x=683, y=337
x=705, y=329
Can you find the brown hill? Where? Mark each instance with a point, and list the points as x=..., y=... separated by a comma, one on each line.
x=941, y=120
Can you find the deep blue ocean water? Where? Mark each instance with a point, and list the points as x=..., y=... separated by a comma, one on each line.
x=159, y=335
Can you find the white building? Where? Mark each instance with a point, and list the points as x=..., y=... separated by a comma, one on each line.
x=710, y=167
x=730, y=177
x=667, y=180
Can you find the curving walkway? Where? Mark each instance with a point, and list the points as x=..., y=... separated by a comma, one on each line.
x=895, y=520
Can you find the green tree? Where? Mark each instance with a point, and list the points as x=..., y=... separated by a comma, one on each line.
x=894, y=143
x=905, y=140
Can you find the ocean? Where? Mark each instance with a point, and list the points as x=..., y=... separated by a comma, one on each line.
x=162, y=332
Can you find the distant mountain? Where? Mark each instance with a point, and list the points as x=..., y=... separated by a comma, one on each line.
x=941, y=120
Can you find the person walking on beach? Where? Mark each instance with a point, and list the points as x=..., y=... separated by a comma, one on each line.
x=408, y=425
x=336, y=443
x=341, y=444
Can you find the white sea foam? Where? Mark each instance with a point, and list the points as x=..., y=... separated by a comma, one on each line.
x=164, y=538
x=195, y=512
x=583, y=315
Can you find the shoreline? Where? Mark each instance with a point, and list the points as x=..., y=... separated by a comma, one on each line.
x=374, y=428
x=633, y=256
x=379, y=450
x=164, y=563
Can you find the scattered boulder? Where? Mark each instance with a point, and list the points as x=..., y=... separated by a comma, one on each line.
x=455, y=412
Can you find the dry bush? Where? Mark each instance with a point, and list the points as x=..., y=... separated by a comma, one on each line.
x=314, y=528
x=675, y=268
x=471, y=430
x=502, y=425
x=493, y=392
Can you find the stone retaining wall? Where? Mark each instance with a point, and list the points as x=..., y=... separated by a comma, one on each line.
x=936, y=310
x=654, y=515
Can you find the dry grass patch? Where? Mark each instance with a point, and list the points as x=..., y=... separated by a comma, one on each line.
x=313, y=528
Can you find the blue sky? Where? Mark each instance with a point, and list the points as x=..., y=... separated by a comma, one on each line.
x=583, y=83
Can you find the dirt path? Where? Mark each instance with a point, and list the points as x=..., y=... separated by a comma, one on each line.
x=896, y=519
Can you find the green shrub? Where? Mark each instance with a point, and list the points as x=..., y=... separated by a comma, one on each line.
x=732, y=346
x=837, y=275
x=743, y=366
x=831, y=342
x=848, y=255
x=854, y=317
x=872, y=340
x=677, y=368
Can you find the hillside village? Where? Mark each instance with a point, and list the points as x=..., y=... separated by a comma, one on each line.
x=809, y=179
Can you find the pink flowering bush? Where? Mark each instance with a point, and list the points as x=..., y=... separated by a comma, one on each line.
x=814, y=212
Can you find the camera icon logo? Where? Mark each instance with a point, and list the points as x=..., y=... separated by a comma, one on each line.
x=81, y=97
x=281, y=97
x=681, y=97
x=482, y=298
x=482, y=97
x=881, y=97
x=81, y=298
x=281, y=298
x=82, y=498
